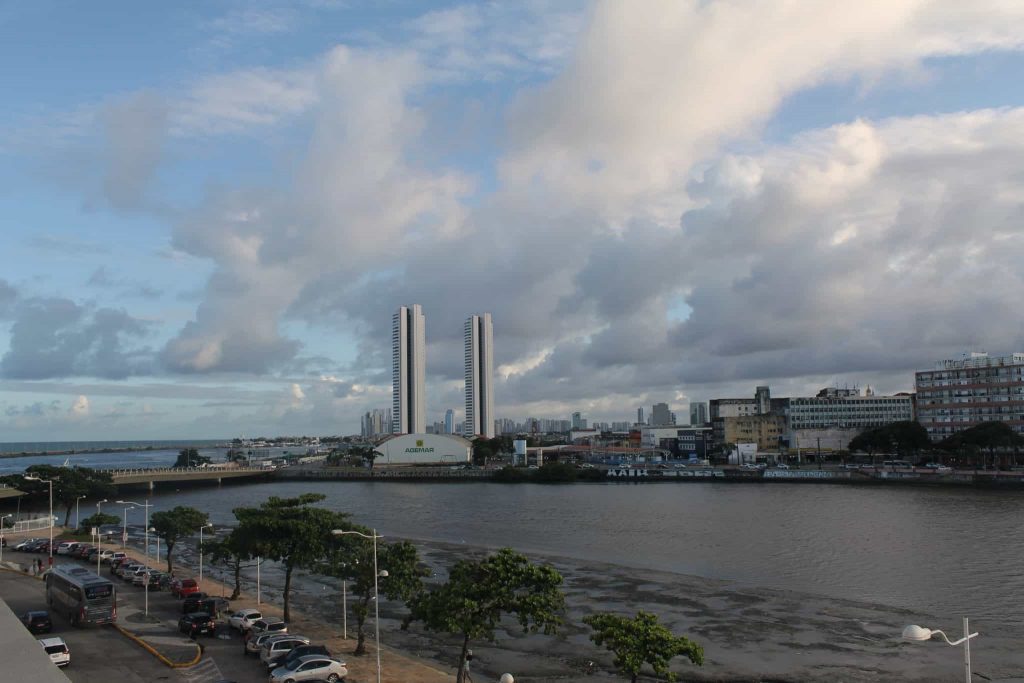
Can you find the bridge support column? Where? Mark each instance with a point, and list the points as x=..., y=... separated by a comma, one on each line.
x=218, y=481
x=152, y=485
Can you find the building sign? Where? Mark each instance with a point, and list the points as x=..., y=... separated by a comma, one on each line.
x=419, y=449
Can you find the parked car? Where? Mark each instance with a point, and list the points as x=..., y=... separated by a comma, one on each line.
x=126, y=571
x=936, y=467
x=298, y=653
x=57, y=649
x=242, y=619
x=156, y=580
x=279, y=646
x=782, y=466
x=261, y=630
x=310, y=668
x=66, y=547
x=182, y=587
x=109, y=556
x=28, y=541
x=37, y=621
x=213, y=605
x=140, y=576
x=196, y=623
x=191, y=600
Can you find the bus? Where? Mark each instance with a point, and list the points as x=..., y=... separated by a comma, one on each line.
x=80, y=595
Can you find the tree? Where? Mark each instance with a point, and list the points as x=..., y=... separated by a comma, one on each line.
x=176, y=524
x=290, y=531
x=990, y=436
x=99, y=519
x=69, y=484
x=870, y=441
x=189, y=457
x=641, y=640
x=351, y=559
x=478, y=593
x=237, y=551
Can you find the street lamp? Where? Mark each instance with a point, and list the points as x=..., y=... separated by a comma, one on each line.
x=99, y=536
x=376, y=594
x=141, y=505
x=208, y=524
x=920, y=634
x=153, y=529
x=32, y=477
x=11, y=514
x=78, y=498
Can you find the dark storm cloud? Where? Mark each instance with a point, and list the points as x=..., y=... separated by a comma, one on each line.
x=59, y=338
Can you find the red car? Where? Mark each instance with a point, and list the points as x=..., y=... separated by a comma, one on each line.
x=182, y=587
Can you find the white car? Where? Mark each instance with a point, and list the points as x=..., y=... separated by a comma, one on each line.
x=278, y=646
x=782, y=466
x=66, y=547
x=310, y=668
x=243, y=619
x=57, y=649
x=139, y=578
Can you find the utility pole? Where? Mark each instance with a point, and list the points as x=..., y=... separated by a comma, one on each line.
x=819, y=453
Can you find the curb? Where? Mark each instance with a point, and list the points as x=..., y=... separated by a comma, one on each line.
x=153, y=651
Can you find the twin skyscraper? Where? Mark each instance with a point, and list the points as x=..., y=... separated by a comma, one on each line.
x=408, y=373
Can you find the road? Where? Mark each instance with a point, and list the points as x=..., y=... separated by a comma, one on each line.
x=97, y=654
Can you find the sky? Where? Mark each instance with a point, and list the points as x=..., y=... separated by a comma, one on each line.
x=210, y=210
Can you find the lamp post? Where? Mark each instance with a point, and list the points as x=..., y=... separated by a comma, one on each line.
x=208, y=524
x=32, y=477
x=920, y=634
x=99, y=536
x=124, y=526
x=10, y=514
x=78, y=498
x=376, y=593
x=141, y=505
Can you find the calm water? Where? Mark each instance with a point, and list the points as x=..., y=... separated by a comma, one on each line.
x=133, y=459
x=50, y=446
x=947, y=552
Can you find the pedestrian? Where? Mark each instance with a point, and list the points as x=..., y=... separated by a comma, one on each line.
x=32, y=568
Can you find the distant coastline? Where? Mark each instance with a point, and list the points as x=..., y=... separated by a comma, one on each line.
x=42, y=448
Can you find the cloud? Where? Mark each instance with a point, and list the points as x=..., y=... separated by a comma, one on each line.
x=8, y=296
x=53, y=337
x=80, y=408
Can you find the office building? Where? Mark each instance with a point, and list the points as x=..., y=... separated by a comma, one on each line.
x=578, y=421
x=449, y=421
x=848, y=409
x=375, y=423
x=959, y=394
x=479, y=357
x=698, y=413
x=640, y=416
x=660, y=415
x=408, y=371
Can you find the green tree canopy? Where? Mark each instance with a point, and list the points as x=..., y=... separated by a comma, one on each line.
x=907, y=438
x=478, y=593
x=176, y=524
x=351, y=559
x=189, y=457
x=641, y=640
x=99, y=519
x=69, y=484
x=290, y=531
x=991, y=437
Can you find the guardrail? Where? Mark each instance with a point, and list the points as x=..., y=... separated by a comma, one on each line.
x=33, y=524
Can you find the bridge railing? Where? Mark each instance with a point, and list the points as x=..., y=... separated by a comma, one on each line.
x=126, y=471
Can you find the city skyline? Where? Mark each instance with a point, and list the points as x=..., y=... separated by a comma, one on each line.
x=211, y=214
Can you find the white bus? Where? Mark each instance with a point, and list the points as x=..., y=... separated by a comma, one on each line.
x=80, y=595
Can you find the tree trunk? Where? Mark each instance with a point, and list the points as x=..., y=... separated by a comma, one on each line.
x=67, y=514
x=287, y=590
x=238, y=580
x=170, y=549
x=460, y=676
x=360, y=610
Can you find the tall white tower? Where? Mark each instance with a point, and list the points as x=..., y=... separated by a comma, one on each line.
x=408, y=371
x=479, y=339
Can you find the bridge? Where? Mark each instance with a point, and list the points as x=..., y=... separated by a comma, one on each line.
x=150, y=477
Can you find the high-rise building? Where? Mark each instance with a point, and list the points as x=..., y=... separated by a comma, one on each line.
x=640, y=415
x=479, y=343
x=376, y=422
x=578, y=421
x=959, y=394
x=698, y=413
x=449, y=421
x=408, y=371
x=661, y=415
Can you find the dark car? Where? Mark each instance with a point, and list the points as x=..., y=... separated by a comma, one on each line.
x=115, y=563
x=197, y=623
x=191, y=602
x=82, y=551
x=37, y=621
x=296, y=653
x=212, y=606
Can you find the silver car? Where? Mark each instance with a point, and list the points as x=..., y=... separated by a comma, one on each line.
x=310, y=668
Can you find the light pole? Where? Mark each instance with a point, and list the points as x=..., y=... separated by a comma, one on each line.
x=99, y=536
x=32, y=477
x=124, y=526
x=141, y=505
x=76, y=511
x=11, y=514
x=208, y=524
x=376, y=593
x=919, y=634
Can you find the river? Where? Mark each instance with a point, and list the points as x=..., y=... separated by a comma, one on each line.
x=942, y=551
